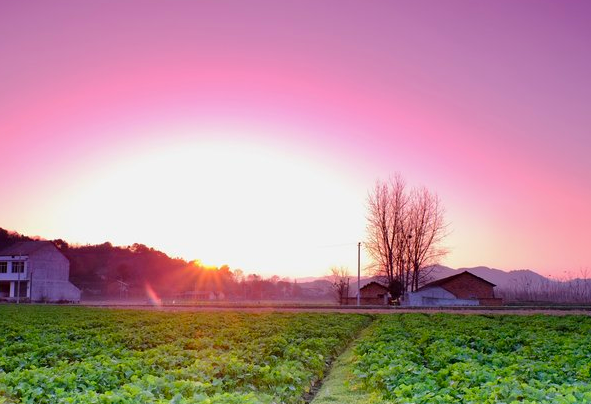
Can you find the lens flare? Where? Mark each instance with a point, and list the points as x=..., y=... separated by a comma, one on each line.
x=153, y=296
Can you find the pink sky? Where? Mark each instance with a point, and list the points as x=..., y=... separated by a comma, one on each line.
x=249, y=133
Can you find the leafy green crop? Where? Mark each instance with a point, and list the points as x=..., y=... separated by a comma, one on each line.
x=441, y=358
x=53, y=355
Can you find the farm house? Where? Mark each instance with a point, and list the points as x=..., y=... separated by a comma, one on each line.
x=463, y=289
x=35, y=270
x=372, y=293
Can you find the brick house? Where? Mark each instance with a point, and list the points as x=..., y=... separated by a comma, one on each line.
x=36, y=271
x=463, y=289
x=373, y=293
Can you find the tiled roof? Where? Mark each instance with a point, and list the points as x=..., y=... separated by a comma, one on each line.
x=24, y=247
x=373, y=282
x=443, y=281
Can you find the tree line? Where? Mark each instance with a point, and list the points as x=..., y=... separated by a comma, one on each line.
x=107, y=271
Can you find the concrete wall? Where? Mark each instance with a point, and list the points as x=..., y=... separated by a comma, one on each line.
x=434, y=297
x=50, y=271
x=53, y=291
x=366, y=301
x=48, y=263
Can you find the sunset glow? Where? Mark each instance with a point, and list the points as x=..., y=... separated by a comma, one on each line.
x=249, y=134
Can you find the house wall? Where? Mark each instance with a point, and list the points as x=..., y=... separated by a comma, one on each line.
x=50, y=271
x=366, y=301
x=434, y=297
x=469, y=287
x=373, y=290
x=53, y=291
x=13, y=276
x=11, y=282
x=48, y=263
x=45, y=276
x=10, y=289
x=491, y=302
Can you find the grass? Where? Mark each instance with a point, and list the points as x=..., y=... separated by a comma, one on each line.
x=340, y=387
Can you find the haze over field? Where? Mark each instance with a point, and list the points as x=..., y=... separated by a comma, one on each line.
x=249, y=134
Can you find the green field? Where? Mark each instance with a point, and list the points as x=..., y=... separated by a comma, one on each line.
x=82, y=355
x=425, y=359
x=79, y=355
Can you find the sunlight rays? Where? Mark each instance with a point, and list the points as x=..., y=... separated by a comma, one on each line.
x=239, y=203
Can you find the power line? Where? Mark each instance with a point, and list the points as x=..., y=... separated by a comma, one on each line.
x=336, y=245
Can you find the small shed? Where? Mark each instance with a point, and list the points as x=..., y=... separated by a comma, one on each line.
x=373, y=293
x=463, y=289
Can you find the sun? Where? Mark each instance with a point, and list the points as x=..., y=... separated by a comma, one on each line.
x=254, y=207
x=201, y=266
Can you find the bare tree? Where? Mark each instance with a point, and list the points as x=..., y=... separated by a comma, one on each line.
x=387, y=205
x=339, y=277
x=425, y=230
x=405, y=231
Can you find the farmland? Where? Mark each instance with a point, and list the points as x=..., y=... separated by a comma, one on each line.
x=80, y=355
x=83, y=355
x=416, y=358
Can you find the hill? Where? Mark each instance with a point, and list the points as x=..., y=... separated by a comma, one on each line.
x=105, y=271
x=503, y=279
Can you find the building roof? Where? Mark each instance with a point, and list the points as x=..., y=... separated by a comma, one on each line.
x=24, y=247
x=373, y=282
x=443, y=281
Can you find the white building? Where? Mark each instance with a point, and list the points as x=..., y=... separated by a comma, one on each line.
x=35, y=270
x=435, y=296
x=463, y=289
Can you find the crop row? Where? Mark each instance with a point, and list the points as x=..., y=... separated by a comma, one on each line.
x=79, y=355
x=418, y=358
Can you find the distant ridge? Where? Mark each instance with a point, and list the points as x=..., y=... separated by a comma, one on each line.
x=503, y=279
x=97, y=269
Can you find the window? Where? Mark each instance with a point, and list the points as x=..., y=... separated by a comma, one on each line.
x=18, y=266
x=3, y=267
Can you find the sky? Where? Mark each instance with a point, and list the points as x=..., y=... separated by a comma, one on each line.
x=250, y=133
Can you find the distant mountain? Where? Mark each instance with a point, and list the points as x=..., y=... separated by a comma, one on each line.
x=100, y=270
x=319, y=283
x=521, y=285
x=503, y=279
x=328, y=278
x=308, y=279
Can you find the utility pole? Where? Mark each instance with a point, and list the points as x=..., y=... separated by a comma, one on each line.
x=347, y=295
x=18, y=279
x=359, y=274
x=30, y=272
